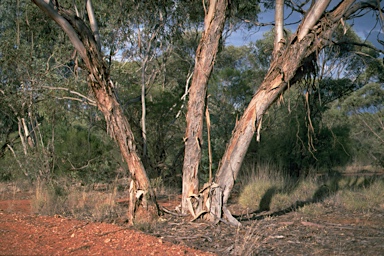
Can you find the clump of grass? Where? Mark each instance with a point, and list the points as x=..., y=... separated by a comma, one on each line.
x=3, y=187
x=157, y=184
x=277, y=195
x=145, y=226
x=268, y=188
x=95, y=205
x=360, y=167
x=48, y=199
x=361, y=198
x=257, y=195
x=314, y=209
x=293, y=193
x=261, y=186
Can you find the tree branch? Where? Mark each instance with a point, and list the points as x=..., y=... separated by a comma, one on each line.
x=279, y=27
x=91, y=102
x=93, y=22
x=358, y=44
x=312, y=17
x=47, y=8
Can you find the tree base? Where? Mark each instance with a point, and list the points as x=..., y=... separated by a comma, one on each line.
x=142, y=206
x=209, y=204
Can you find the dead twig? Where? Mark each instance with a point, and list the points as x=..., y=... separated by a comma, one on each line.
x=191, y=237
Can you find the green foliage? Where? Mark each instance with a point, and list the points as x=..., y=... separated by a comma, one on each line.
x=230, y=89
x=363, y=112
x=243, y=10
x=163, y=120
x=288, y=140
x=234, y=76
x=84, y=154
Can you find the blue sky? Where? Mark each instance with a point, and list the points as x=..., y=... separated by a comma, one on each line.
x=363, y=26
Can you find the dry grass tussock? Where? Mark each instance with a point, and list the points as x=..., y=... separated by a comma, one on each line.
x=95, y=202
x=268, y=189
x=248, y=243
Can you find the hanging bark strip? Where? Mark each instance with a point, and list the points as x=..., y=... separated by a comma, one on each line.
x=205, y=56
x=102, y=86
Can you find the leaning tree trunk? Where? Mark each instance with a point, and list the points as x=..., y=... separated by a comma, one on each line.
x=204, y=61
x=103, y=89
x=288, y=67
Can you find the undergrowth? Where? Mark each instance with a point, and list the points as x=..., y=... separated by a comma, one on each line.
x=91, y=202
x=269, y=189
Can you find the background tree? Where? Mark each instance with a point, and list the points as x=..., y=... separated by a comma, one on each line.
x=24, y=62
x=362, y=112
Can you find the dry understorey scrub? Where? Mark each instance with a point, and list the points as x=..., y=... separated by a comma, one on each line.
x=95, y=202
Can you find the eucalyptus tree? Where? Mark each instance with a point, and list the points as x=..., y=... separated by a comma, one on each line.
x=296, y=59
x=214, y=21
x=297, y=122
x=216, y=14
x=85, y=40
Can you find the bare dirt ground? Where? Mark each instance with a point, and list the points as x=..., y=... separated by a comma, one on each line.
x=22, y=233
x=289, y=233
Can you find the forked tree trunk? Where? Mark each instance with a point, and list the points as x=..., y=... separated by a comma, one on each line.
x=288, y=66
x=102, y=86
x=204, y=61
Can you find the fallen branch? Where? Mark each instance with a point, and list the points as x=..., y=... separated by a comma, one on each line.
x=172, y=213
